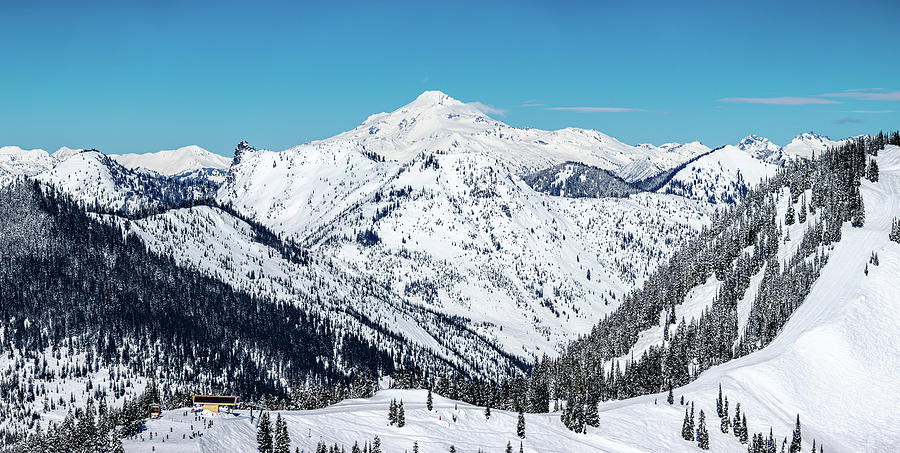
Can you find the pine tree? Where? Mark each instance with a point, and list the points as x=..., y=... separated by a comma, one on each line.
x=797, y=439
x=392, y=412
x=725, y=421
x=509, y=447
x=264, y=433
x=376, y=445
x=744, y=429
x=429, y=403
x=452, y=449
x=591, y=415
x=702, y=433
x=872, y=171
x=671, y=398
x=789, y=216
x=801, y=216
x=282, y=439
x=687, y=433
x=401, y=415
x=487, y=412
x=895, y=230
x=719, y=402
x=520, y=426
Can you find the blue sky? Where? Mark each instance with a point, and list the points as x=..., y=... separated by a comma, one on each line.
x=136, y=78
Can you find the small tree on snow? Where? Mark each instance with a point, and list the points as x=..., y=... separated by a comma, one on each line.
x=520, y=426
x=702, y=433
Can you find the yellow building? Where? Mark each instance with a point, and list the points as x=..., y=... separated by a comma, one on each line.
x=212, y=403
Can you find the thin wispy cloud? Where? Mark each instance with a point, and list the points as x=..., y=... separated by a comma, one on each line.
x=595, y=109
x=533, y=104
x=487, y=109
x=783, y=100
x=848, y=121
x=869, y=95
x=872, y=111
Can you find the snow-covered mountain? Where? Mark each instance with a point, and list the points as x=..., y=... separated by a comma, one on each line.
x=725, y=174
x=15, y=161
x=834, y=364
x=436, y=122
x=808, y=144
x=174, y=161
x=463, y=235
x=721, y=176
x=435, y=241
x=103, y=184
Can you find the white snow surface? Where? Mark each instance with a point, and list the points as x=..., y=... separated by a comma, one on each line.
x=436, y=122
x=808, y=144
x=724, y=174
x=462, y=234
x=835, y=363
x=175, y=161
x=16, y=161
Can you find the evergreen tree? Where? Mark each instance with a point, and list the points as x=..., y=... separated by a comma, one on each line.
x=429, y=403
x=801, y=216
x=392, y=412
x=509, y=447
x=671, y=398
x=872, y=171
x=789, y=216
x=591, y=415
x=725, y=421
x=719, y=402
x=264, y=433
x=797, y=439
x=687, y=433
x=487, y=412
x=376, y=445
x=520, y=426
x=282, y=442
x=401, y=415
x=744, y=429
x=702, y=433
x=895, y=230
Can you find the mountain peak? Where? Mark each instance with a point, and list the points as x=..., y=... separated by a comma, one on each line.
x=811, y=136
x=239, y=150
x=431, y=99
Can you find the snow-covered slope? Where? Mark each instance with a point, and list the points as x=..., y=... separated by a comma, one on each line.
x=449, y=423
x=461, y=234
x=808, y=144
x=15, y=161
x=102, y=184
x=437, y=122
x=722, y=176
x=176, y=161
x=835, y=361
